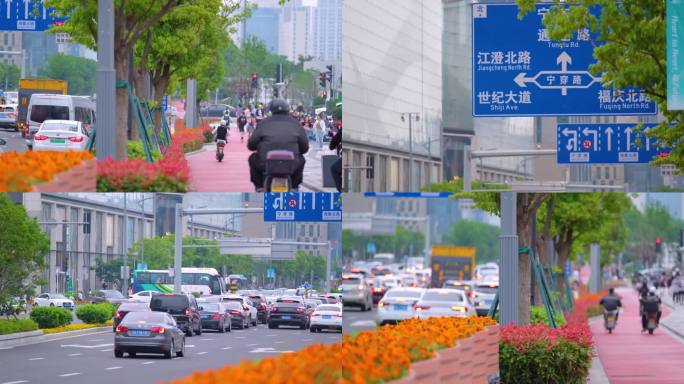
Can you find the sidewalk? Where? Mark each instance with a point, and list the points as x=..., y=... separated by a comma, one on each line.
x=313, y=171
x=631, y=357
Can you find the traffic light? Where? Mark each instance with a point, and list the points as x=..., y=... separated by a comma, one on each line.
x=325, y=94
x=324, y=79
x=658, y=244
x=330, y=73
x=255, y=80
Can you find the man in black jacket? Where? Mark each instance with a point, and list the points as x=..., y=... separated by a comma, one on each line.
x=336, y=167
x=278, y=132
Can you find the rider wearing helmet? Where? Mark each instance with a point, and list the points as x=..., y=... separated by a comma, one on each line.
x=278, y=132
x=221, y=131
x=650, y=305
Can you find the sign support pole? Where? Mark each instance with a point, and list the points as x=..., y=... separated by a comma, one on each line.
x=509, y=260
x=105, y=139
x=178, y=259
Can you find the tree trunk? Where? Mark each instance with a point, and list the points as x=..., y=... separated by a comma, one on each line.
x=121, y=66
x=527, y=204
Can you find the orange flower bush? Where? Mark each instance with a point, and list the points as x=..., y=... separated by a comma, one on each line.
x=369, y=357
x=21, y=171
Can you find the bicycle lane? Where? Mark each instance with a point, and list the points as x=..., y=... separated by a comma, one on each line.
x=631, y=357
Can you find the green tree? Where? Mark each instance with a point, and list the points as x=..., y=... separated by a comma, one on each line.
x=484, y=237
x=79, y=72
x=23, y=247
x=109, y=271
x=9, y=76
x=633, y=53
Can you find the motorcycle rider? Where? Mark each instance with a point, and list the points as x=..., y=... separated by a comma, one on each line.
x=611, y=302
x=278, y=132
x=650, y=305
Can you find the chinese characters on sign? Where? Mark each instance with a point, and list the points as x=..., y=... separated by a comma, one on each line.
x=27, y=15
x=675, y=60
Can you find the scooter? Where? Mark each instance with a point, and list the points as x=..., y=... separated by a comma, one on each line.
x=609, y=320
x=280, y=164
x=651, y=322
x=220, y=144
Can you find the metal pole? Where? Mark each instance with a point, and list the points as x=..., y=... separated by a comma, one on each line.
x=105, y=139
x=178, y=259
x=509, y=260
x=191, y=104
x=595, y=260
x=533, y=248
x=124, y=286
x=64, y=256
x=467, y=172
x=410, y=152
x=328, y=270
x=428, y=246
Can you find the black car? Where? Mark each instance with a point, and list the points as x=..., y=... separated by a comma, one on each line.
x=239, y=316
x=259, y=302
x=288, y=312
x=216, y=316
x=183, y=308
x=128, y=307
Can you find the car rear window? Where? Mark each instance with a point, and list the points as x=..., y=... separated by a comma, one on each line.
x=486, y=289
x=285, y=304
x=329, y=308
x=351, y=281
x=148, y=317
x=442, y=296
x=130, y=307
x=171, y=304
x=59, y=127
x=40, y=113
x=211, y=307
x=233, y=305
x=402, y=293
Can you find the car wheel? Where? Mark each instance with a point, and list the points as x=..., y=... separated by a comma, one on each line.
x=172, y=349
x=303, y=326
x=272, y=326
x=181, y=352
x=312, y=329
x=52, y=304
x=118, y=353
x=199, y=329
x=222, y=328
x=131, y=354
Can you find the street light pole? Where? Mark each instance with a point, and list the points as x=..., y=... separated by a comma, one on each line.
x=105, y=138
x=124, y=285
x=410, y=153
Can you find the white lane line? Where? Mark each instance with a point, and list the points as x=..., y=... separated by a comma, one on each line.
x=189, y=346
x=74, y=354
x=148, y=362
x=202, y=353
x=15, y=382
x=206, y=339
x=226, y=348
x=240, y=337
x=112, y=368
x=3, y=348
x=271, y=335
x=86, y=346
x=107, y=350
x=36, y=358
x=93, y=340
x=307, y=339
x=251, y=345
x=278, y=342
x=70, y=374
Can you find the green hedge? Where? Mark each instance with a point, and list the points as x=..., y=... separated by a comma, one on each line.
x=51, y=317
x=136, y=150
x=19, y=325
x=95, y=313
x=564, y=362
x=538, y=316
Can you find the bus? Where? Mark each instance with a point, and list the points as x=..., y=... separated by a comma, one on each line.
x=206, y=281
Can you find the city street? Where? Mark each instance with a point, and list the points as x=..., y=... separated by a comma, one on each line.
x=354, y=320
x=90, y=358
x=14, y=141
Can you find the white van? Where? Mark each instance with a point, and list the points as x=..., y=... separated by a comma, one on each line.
x=58, y=107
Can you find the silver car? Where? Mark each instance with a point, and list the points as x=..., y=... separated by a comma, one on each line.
x=355, y=292
x=149, y=332
x=61, y=135
x=8, y=118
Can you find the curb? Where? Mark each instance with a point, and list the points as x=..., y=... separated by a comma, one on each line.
x=203, y=149
x=38, y=337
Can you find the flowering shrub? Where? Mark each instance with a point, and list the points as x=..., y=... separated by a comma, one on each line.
x=21, y=171
x=76, y=327
x=368, y=357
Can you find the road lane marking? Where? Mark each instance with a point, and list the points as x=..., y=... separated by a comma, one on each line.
x=201, y=353
x=307, y=339
x=15, y=382
x=363, y=323
x=75, y=354
x=148, y=362
x=278, y=342
x=94, y=340
x=70, y=374
x=189, y=346
x=267, y=350
x=112, y=368
x=36, y=358
x=225, y=348
x=106, y=350
x=271, y=335
x=86, y=346
x=207, y=339
x=251, y=345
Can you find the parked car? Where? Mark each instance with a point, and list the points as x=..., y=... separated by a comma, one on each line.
x=149, y=332
x=144, y=296
x=259, y=302
x=326, y=316
x=239, y=315
x=355, y=292
x=288, y=312
x=125, y=308
x=397, y=304
x=54, y=300
x=216, y=316
x=61, y=135
x=109, y=296
x=183, y=308
x=437, y=302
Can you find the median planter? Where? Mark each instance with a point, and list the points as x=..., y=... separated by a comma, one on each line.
x=80, y=178
x=472, y=360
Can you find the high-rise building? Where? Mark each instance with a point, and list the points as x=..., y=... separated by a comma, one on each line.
x=263, y=25
x=296, y=29
x=327, y=33
x=10, y=43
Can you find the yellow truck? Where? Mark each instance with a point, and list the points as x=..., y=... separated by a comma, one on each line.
x=28, y=87
x=451, y=262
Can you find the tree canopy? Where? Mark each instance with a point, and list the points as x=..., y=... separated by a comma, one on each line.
x=79, y=72
x=484, y=237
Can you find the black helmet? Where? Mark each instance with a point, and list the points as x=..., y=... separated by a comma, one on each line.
x=279, y=107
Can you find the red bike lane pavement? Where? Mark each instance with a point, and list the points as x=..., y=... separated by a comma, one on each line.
x=631, y=357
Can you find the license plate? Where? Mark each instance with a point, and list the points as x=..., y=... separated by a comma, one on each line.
x=57, y=141
x=488, y=302
x=139, y=332
x=205, y=316
x=287, y=317
x=400, y=307
x=279, y=185
x=326, y=317
x=610, y=318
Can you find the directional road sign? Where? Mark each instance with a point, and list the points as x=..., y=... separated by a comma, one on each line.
x=532, y=75
x=27, y=15
x=305, y=206
x=607, y=144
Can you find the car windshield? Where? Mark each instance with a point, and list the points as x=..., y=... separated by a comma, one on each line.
x=351, y=280
x=57, y=296
x=329, y=308
x=486, y=288
x=442, y=296
x=235, y=299
x=146, y=317
x=233, y=305
x=210, y=307
x=130, y=307
x=59, y=127
x=403, y=293
x=171, y=304
x=40, y=113
x=113, y=294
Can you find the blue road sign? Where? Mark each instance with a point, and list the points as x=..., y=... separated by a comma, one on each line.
x=519, y=71
x=27, y=15
x=270, y=273
x=370, y=248
x=410, y=195
x=309, y=206
x=607, y=144
x=166, y=103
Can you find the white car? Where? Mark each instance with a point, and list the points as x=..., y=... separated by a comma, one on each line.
x=144, y=296
x=61, y=135
x=439, y=302
x=54, y=300
x=326, y=316
x=397, y=304
x=253, y=313
x=483, y=295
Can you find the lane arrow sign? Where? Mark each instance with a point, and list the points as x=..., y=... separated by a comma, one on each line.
x=609, y=137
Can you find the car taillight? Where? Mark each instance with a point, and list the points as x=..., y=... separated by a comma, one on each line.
x=187, y=312
x=381, y=304
x=217, y=316
x=235, y=312
x=76, y=139
x=274, y=309
x=119, y=314
x=159, y=330
x=121, y=329
x=421, y=307
x=40, y=137
x=300, y=309
x=262, y=306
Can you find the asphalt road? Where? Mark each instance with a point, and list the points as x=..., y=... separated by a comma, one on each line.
x=14, y=141
x=90, y=358
x=353, y=320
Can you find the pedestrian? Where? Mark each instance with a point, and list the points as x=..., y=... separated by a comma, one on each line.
x=104, y=285
x=319, y=131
